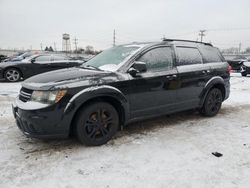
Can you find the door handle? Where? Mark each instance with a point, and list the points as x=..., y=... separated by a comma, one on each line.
x=206, y=71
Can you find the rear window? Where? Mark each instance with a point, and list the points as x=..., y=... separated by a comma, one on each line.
x=188, y=56
x=210, y=54
x=59, y=58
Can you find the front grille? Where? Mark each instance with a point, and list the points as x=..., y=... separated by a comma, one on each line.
x=25, y=94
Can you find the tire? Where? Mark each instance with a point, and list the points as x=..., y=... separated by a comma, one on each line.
x=12, y=75
x=96, y=124
x=212, y=103
x=244, y=74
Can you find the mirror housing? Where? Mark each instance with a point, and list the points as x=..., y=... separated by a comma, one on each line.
x=32, y=60
x=138, y=67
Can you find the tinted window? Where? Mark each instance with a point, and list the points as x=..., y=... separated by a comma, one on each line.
x=210, y=54
x=188, y=56
x=158, y=59
x=43, y=58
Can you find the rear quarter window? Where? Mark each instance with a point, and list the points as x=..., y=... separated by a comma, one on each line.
x=211, y=54
x=188, y=56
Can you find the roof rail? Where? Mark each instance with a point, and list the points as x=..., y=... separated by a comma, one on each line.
x=180, y=40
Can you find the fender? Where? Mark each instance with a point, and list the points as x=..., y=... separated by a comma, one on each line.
x=213, y=81
x=97, y=91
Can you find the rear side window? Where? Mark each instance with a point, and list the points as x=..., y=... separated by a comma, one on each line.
x=188, y=56
x=210, y=54
x=158, y=59
x=59, y=58
x=43, y=58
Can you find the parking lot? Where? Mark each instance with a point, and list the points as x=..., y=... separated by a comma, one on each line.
x=171, y=151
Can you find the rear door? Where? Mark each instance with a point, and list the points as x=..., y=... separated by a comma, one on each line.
x=154, y=91
x=193, y=76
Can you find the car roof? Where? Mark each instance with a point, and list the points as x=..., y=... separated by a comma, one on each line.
x=177, y=42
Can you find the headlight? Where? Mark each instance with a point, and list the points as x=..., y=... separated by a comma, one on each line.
x=47, y=97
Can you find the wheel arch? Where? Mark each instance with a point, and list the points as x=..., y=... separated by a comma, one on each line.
x=107, y=94
x=215, y=82
x=12, y=67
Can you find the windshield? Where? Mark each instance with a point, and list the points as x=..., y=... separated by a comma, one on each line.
x=111, y=59
x=28, y=59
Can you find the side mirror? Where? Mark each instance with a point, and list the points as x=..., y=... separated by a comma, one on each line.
x=138, y=67
x=32, y=60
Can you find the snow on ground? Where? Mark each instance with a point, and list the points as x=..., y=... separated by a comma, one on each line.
x=171, y=151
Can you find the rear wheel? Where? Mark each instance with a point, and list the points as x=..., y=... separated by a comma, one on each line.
x=12, y=75
x=96, y=124
x=212, y=103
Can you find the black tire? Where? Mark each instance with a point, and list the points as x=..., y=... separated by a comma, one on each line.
x=96, y=123
x=212, y=103
x=243, y=74
x=12, y=75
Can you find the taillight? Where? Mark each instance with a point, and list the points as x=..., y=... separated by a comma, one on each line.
x=229, y=69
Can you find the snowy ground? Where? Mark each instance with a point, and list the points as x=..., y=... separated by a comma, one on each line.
x=171, y=151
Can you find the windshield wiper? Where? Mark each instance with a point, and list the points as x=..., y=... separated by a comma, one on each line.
x=91, y=67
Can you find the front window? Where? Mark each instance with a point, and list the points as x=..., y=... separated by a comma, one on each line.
x=158, y=59
x=112, y=58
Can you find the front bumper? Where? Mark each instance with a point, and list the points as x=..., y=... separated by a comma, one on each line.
x=49, y=122
x=1, y=74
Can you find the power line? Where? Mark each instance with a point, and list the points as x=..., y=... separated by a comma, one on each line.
x=75, y=42
x=54, y=46
x=41, y=45
x=114, y=38
x=202, y=34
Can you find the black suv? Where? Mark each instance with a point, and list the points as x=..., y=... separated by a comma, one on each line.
x=123, y=84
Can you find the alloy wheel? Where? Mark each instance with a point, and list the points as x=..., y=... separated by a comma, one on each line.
x=214, y=101
x=12, y=75
x=98, y=124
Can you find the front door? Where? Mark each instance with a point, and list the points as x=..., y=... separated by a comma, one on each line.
x=154, y=91
x=39, y=65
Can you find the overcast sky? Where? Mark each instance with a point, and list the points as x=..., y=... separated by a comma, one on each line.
x=26, y=23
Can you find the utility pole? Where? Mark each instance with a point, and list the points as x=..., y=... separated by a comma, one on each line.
x=41, y=44
x=239, y=47
x=54, y=46
x=114, y=38
x=202, y=34
x=75, y=42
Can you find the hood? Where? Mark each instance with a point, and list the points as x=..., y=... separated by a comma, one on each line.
x=68, y=78
x=9, y=63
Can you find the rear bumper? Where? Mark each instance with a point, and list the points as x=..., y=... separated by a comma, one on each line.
x=43, y=123
x=227, y=90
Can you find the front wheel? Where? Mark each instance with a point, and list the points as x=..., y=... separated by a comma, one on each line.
x=212, y=103
x=96, y=123
x=12, y=75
